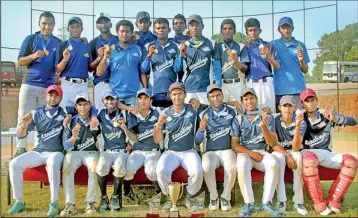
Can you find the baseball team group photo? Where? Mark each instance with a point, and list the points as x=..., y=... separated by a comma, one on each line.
x=168, y=111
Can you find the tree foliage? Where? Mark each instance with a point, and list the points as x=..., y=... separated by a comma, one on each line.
x=63, y=33
x=238, y=37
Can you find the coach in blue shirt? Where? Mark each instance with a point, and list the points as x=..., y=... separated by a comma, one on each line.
x=293, y=58
x=144, y=35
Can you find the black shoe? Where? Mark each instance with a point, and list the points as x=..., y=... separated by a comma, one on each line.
x=20, y=151
x=103, y=205
x=131, y=197
x=114, y=203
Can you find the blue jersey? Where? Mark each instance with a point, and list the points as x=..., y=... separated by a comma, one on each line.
x=80, y=58
x=259, y=66
x=144, y=38
x=114, y=137
x=249, y=131
x=179, y=39
x=144, y=128
x=217, y=132
x=94, y=45
x=41, y=71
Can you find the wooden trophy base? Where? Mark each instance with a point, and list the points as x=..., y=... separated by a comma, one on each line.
x=174, y=214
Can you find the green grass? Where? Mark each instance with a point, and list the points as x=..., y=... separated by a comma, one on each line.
x=37, y=200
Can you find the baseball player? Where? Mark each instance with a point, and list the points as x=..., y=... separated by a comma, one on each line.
x=144, y=35
x=316, y=151
x=179, y=26
x=48, y=122
x=251, y=134
x=290, y=129
x=179, y=124
x=97, y=45
x=158, y=60
x=228, y=52
x=37, y=52
x=145, y=152
x=114, y=132
x=79, y=141
x=214, y=128
x=73, y=62
x=259, y=75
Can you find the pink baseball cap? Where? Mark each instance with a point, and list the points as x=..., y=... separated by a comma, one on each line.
x=55, y=88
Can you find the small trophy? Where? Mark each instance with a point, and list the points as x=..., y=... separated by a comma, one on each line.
x=196, y=210
x=154, y=205
x=176, y=190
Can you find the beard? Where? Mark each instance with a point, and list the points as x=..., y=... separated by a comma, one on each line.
x=110, y=106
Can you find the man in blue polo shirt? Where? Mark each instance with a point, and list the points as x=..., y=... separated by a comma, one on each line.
x=144, y=35
x=123, y=64
x=179, y=25
x=73, y=62
x=159, y=57
x=37, y=52
x=259, y=75
x=293, y=58
x=101, y=83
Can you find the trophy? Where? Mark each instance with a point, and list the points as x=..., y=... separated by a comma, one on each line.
x=196, y=210
x=154, y=205
x=176, y=190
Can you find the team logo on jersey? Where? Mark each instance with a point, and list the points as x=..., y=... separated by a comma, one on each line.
x=172, y=51
x=153, y=118
x=59, y=118
x=321, y=125
x=182, y=133
x=86, y=55
x=135, y=54
x=188, y=115
x=206, y=49
x=229, y=117
x=54, y=49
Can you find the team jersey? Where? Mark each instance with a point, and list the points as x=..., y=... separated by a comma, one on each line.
x=144, y=38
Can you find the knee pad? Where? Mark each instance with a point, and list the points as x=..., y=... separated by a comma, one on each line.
x=349, y=161
x=310, y=164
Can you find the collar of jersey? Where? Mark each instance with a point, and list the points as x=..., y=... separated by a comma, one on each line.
x=79, y=120
x=47, y=111
x=260, y=41
x=158, y=44
x=140, y=118
x=291, y=43
x=221, y=113
x=171, y=111
x=290, y=125
x=119, y=48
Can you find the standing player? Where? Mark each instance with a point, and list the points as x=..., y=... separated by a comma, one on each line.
x=97, y=45
x=179, y=25
x=179, y=124
x=229, y=52
x=114, y=132
x=215, y=126
x=144, y=35
x=79, y=141
x=73, y=62
x=48, y=122
x=159, y=57
x=293, y=57
x=251, y=134
x=259, y=75
x=37, y=52
x=316, y=151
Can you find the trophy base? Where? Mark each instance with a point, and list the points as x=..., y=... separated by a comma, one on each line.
x=197, y=215
x=152, y=215
x=173, y=214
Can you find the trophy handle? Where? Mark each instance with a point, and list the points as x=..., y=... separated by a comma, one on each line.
x=182, y=190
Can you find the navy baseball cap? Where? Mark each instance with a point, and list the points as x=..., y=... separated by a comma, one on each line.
x=142, y=15
x=102, y=15
x=176, y=85
x=144, y=91
x=109, y=93
x=285, y=20
x=287, y=99
x=195, y=17
x=74, y=20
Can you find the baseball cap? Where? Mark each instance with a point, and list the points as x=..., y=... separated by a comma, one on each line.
x=176, y=85
x=144, y=91
x=82, y=96
x=213, y=87
x=55, y=88
x=307, y=93
x=196, y=18
x=287, y=99
x=142, y=15
x=285, y=20
x=109, y=93
x=74, y=20
x=102, y=15
x=246, y=91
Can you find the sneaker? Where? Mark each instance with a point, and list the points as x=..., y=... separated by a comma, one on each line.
x=167, y=205
x=269, y=209
x=247, y=210
x=114, y=203
x=70, y=209
x=281, y=206
x=189, y=202
x=334, y=208
x=17, y=208
x=326, y=212
x=300, y=208
x=53, y=210
x=19, y=152
x=103, y=205
x=90, y=208
x=131, y=197
x=225, y=204
x=214, y=204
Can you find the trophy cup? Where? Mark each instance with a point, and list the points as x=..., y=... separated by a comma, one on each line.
x=176, y=190
x=154, y=205
x=196, y=210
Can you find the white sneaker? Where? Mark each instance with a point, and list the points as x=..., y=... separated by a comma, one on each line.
x=214, y=204
x=326, y=212
x=333, y=209
x=225, y=204
x=69, y=210
x=300, y=208
x=281, y=206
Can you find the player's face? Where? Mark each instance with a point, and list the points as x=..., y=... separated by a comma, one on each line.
x=124, y=34
x=310, y=104
x=179, y=26
x=228, y=32
x=144, y=102
x=286, y=31
x=53, y=99
x=195, y=29
x=104, y=25
x=287, y=110
x=83, y=108
x=253, y=33
x=161, y=30
x=75, y=30
x=215, y=98
x=47, y=25
x=177, y=96
x=143, y=25
x=249, y=102
x=110, y=103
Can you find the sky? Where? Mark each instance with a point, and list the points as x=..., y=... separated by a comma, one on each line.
x=18, y=20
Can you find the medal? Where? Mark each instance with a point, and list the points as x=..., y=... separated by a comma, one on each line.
x=78, y=126
x=262, y=113
x=106, y=47
x=137, y=37
x=229, y=52
x=115, y=124
x=156, y=51
x=113, y=47
x=187, y=43
x=169, y=119
x=299, y=47
x=46, y=52
x=261, y=46
x=206, y=117
x=70, y=47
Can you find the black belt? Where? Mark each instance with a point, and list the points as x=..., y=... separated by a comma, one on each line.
x=236, y=80
x=74, y=80
x=264, y=79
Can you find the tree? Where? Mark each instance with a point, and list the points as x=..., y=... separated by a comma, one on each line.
x=345, y=50
x=63, y=33
x=238, y=37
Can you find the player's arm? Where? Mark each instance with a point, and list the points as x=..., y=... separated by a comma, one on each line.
x=158, y=133
x=300, y=130
x=69, y=137
x=267, y=125
x=131, y=135
x=61, y=59
x=241, y=65
x=23, y=128
x=104, y=64
x=338, y=119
